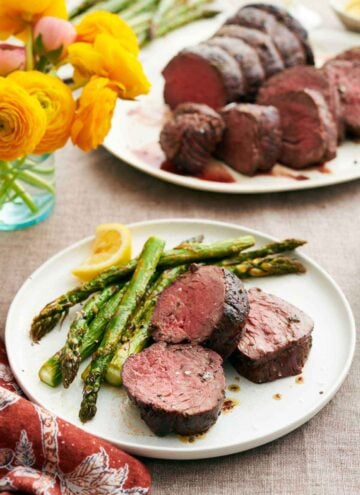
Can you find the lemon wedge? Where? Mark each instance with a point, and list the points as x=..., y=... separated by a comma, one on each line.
x=112, y=247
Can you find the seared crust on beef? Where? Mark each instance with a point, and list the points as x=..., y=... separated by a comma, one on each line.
x=352, y=55
x=268, y=54
x=276, y=340
x=344, y=75
x=305, y=77
x=207, y=305
x=292, y=24
x=309, y=133
x=190, y=136
x=178, y=388
x=219, y=77
x=248, y=60
x=287, y=43
x=252, y=139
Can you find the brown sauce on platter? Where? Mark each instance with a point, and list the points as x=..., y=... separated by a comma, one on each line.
x=277, y=396
x=299, y=380
x=229, y=405
x=214, y=171
x=234, y=387
x=275, y=172
x=191, y=438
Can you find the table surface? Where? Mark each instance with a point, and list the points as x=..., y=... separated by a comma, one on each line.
x=323, y=456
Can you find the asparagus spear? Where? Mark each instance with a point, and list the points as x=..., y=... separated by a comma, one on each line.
x=138, y=8
x=50, y=371
x=108, y=5
x=138, y=334
x=146, y=266
x=272, y=248
x=269, y=265
x=49, y=315
x=82, y=7
x=70, y=353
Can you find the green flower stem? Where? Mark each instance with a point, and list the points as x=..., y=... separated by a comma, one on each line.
x=34, y=180
x=20, y=191
x=42, y=171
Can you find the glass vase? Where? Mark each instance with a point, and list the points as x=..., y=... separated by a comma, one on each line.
x=27, y=191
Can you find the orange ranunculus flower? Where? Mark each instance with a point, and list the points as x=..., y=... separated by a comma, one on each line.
x=22, y=121
x=107, y=58
x=56, y=100
x=106, y=22
x=93, y=116
x=17, y=15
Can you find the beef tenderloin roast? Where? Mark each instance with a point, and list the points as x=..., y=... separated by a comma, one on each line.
x=344, y=75
x=268, y=54
x=276, y=340
x=252, y=139
x=286, y=42
x=248, y=60
x=190, y=136
x=309, y=133
x=178, y=388
x=203, y=74
x=207, y=305
x=304, y=77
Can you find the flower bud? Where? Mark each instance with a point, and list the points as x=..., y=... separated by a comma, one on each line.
x=11, y=58
x=54, y=33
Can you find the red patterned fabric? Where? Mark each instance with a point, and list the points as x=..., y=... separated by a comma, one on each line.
x=44, y=455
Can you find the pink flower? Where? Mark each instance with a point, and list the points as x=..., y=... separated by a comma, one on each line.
x=54, y=33
x=11, y=58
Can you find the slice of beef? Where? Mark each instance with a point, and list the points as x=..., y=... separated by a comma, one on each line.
x=190, y=136
x=252, y=139
x=269, y=56
x=309, y=133
x=352, y=55
x=287, y=43
x=178, y=388
x=298, y=78
x=276, y=340
x=203, y=74
x=292, y=24
x=344, y=75
x=248, y=60
x=207, y=305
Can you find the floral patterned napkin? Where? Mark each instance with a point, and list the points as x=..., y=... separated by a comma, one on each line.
x=42, y=454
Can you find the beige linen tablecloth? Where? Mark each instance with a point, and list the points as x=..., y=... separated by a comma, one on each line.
x=320, y=458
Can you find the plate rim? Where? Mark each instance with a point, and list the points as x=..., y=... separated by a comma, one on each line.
x=199, y=452
x=228, y=188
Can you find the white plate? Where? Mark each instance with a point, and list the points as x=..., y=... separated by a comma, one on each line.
x=136, y=125
x=256, y=420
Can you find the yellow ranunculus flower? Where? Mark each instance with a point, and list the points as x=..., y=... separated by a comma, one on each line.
x=93, y=116
x=56, y=100
x=17, y=15
x=107, y=58
x=22, y=121
x=106, y=22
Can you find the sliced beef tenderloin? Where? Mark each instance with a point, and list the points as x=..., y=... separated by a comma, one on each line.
x=292, y=24
x=252, y=139
x=190, y=136
x=344, y=75
x=352, y=55
x=276, y=340
x=298, y=78
x=287, y=43
x=248, y=60
x=178, y=388
x=203, y=74
x=208, y=305
x=309, y=133
x=269, y=56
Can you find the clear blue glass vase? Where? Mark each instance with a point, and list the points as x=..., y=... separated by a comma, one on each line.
x=27, y=191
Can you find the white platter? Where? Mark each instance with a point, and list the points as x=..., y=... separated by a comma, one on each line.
x=136, y=125
x=256, y=420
